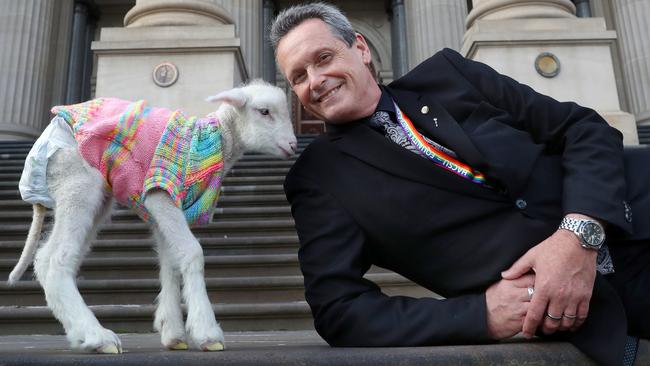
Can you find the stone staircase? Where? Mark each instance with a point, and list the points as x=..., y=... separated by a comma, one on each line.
x=251, y=263
x=644, y=134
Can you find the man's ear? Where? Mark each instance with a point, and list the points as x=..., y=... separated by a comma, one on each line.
x=235, y=97
x=362, y=45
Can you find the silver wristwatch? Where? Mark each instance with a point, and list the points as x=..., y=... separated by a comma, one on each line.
x=590, y=232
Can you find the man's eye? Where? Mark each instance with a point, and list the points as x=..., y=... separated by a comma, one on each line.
x=298, y=79
x=324, y=57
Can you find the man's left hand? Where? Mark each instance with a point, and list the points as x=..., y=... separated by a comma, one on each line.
x=564, y=278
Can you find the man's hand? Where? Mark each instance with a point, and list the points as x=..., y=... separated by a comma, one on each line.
x=507, y=304
x=564, y=279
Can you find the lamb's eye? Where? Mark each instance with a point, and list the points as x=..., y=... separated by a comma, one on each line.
x=264, y=111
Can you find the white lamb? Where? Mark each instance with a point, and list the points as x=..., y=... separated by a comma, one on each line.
x=252, y=118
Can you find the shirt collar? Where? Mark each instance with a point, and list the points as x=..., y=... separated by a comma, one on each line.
x=385, y=102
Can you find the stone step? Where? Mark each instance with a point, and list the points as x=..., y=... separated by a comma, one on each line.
x=294, y=347
x=250, y=189
x=212, y=245
x=140, y=229
x=224, y=290
x=21, y=154
x=237, y=171
x=146, y=267
x=24, y=215
x=224, y=201
x=19, y=163
x=27, y=144
x=130, y=318
x=11, y=180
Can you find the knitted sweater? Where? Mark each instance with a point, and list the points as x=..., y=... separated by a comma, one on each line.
x=138, y=148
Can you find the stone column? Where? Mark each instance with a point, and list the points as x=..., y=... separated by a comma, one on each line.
x=248, y=19
x=268, y=56
x=583, y=10
x=88, y=60
x=77, y=53
x=26, y=32
x=398, y=35
x=433, y=25
x=632, y=24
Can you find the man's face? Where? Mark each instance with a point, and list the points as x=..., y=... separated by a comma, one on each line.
x=331, y=79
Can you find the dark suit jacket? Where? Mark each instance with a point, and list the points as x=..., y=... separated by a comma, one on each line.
x=359, y=199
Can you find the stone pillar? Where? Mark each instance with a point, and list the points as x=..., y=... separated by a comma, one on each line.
x=77, y=53
x=88, y=60
x=583, y=9
x=268, y=56
x=632, y=23
x=433, y=25
x=398, y=36
x=247, y=15
x=543, y=44
x=27, y=34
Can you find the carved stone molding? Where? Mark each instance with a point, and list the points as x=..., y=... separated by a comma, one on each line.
x=150, y=13
x=511, y=9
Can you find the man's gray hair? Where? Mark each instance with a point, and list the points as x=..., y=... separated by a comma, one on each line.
x=292, y=17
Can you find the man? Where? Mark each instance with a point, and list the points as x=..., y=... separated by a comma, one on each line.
x=471, y=185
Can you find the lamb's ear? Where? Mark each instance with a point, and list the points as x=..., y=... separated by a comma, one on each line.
x=235, y=97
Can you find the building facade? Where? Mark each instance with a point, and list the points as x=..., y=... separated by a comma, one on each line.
x=65, y=51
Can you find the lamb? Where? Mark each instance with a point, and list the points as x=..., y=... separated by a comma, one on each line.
x=253, y=117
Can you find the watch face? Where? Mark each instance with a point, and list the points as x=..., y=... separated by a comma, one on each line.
x=593, y=234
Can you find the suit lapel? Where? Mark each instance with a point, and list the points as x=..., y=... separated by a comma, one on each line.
x=359, y=140
x=445, y=130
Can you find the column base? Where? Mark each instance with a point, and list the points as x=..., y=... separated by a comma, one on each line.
x=582, y=48
x=207, y=59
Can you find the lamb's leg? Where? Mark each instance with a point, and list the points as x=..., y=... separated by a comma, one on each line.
x=169, y=315
x=80, y=205
x=187, y=253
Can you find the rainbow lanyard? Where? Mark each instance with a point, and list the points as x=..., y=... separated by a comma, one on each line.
x=438, y=157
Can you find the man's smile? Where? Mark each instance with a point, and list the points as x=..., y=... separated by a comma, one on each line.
x=329, y=94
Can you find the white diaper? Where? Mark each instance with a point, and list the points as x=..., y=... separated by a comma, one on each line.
x=33, y=185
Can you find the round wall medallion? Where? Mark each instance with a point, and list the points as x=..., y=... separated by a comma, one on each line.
x=165, y=74
x=547, y=65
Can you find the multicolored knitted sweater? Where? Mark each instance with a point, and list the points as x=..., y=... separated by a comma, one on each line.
x=138, y=148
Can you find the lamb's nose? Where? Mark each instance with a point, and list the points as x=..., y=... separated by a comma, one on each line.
x=294, y=146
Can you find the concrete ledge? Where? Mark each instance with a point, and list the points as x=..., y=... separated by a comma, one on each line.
x=292, y=348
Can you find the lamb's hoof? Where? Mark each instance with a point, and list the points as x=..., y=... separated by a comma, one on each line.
x=212, y=346
x=178, y=345
x=109, y=349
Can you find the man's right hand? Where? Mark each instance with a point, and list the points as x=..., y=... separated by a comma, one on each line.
x=507, y=304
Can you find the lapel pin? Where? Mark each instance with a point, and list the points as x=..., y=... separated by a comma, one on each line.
x=435, y=122
x=424, y=110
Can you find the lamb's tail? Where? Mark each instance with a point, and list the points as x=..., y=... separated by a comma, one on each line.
x=31, y=244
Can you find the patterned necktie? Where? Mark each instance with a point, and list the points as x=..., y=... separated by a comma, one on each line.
x=394, y=132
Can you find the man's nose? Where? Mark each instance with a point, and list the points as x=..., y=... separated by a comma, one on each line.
x=316, y=80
